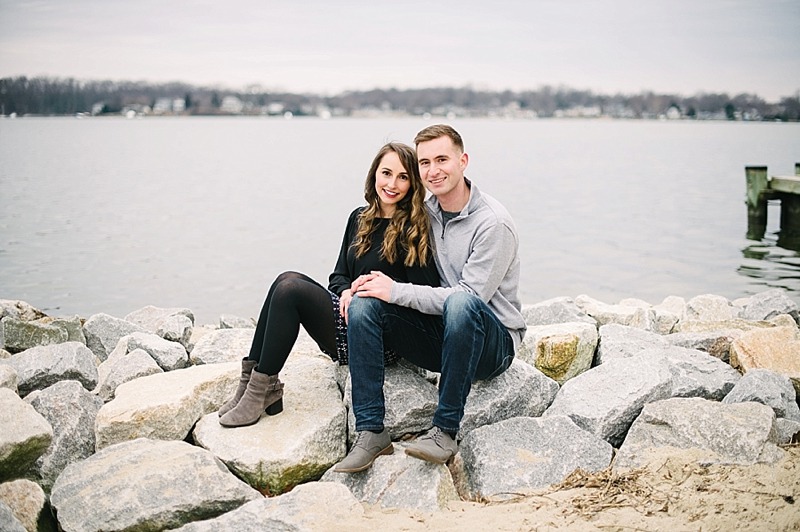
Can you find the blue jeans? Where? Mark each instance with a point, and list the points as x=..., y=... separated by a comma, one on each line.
x=466, y=343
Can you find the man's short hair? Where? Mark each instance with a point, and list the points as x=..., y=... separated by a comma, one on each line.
x=439, y=130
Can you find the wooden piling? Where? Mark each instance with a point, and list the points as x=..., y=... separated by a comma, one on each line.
x=757, y=201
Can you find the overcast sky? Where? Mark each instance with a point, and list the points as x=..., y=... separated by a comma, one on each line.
x=674, y=46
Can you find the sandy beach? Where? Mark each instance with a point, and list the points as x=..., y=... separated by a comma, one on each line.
x=674, y=492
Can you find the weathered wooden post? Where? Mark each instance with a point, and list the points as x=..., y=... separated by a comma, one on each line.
x=789, y=237
x=756, y=201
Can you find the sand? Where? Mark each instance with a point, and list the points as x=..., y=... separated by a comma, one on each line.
x=673, y=493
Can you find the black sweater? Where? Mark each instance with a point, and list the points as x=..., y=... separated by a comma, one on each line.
x=348, y=267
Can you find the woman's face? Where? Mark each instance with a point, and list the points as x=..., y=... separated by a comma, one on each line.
x=392, y=183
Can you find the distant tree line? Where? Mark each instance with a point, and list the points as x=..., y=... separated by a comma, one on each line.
x=60, y=96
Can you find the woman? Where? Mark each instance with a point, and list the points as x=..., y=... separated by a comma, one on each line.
x=389, y=234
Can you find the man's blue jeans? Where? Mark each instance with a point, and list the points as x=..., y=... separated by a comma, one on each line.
x=465, y=344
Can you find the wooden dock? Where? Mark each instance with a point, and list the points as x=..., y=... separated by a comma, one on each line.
x=760, y=189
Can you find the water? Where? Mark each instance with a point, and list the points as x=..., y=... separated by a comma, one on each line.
x=110, y=215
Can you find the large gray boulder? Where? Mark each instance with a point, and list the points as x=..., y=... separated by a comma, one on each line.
x=295, y=446
x=520, y=391
x=26, y=435
x=606, y=399
x=165, y=406
x=121, y=367
x=697, y=374
x=222, y=345
x=523, y=454
x=71, y=411
x=169, y=355
x=146, y=485
x=300, y=510
x=622, y=341
x=560, y=350
x=103, y=333
x=400, y=481
x=556, y=310
x=768, y=388
x=17, y=335
x=740, y=433
x=9, y=521
x=19, y=310
x=40, y=367
x=173, y=324
x=769, y=304
x=630, y=315
x=716, y=343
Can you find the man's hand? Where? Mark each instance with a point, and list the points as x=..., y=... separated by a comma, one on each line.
x=375, y=284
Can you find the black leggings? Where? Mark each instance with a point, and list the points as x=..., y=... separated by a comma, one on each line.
x=293, y=299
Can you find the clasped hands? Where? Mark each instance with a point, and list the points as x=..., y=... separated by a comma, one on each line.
x=374, y=284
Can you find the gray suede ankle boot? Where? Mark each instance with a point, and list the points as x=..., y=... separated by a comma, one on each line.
x=264, y=392
x=244, y=378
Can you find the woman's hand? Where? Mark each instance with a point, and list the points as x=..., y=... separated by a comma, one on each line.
x=344, y=303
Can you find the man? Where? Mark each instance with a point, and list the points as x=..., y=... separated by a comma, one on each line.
x=468, y=329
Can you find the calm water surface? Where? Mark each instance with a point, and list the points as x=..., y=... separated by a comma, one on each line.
x=109, y=215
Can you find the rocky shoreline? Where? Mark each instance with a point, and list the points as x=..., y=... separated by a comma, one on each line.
x=110, y=423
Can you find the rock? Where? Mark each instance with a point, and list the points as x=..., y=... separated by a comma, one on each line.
x=26, y=500
x=40, y=367
x=123, y=367
x=741, y=433
x=18, y=335
x=26, y=435
x=198, y=333
x=165, y=406
x=788, y=431
x=300, y=510
x=665, y=317
x=151, y=318
x=228, y=321
x=768, y=388
x=769, y=304
x=71, y=412
x=560, y=351
x=709, y=307
x=606, y=399
x=168, y=354
x=8, y=521
x=556, y=310
x=72, y=326
x=103, y=333
x=699, y=326
x=400, y=481
x=776, y=349
x=715, y=343
x=295, y=446
x=621, y=341
x=520, y=391
x=172, y=324
x=641, y=318
x=697, y=374
x=8, y=377
x=19, y=310
x=146, y=485
x=410, y=402
x=222, y=345
x=523, y=454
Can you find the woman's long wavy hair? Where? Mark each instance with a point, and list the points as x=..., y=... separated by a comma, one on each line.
x=409, y=224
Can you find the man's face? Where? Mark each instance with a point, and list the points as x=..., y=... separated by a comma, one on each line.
x=441, y=165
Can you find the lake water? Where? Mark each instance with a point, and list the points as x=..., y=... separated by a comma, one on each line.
x=110, y=215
